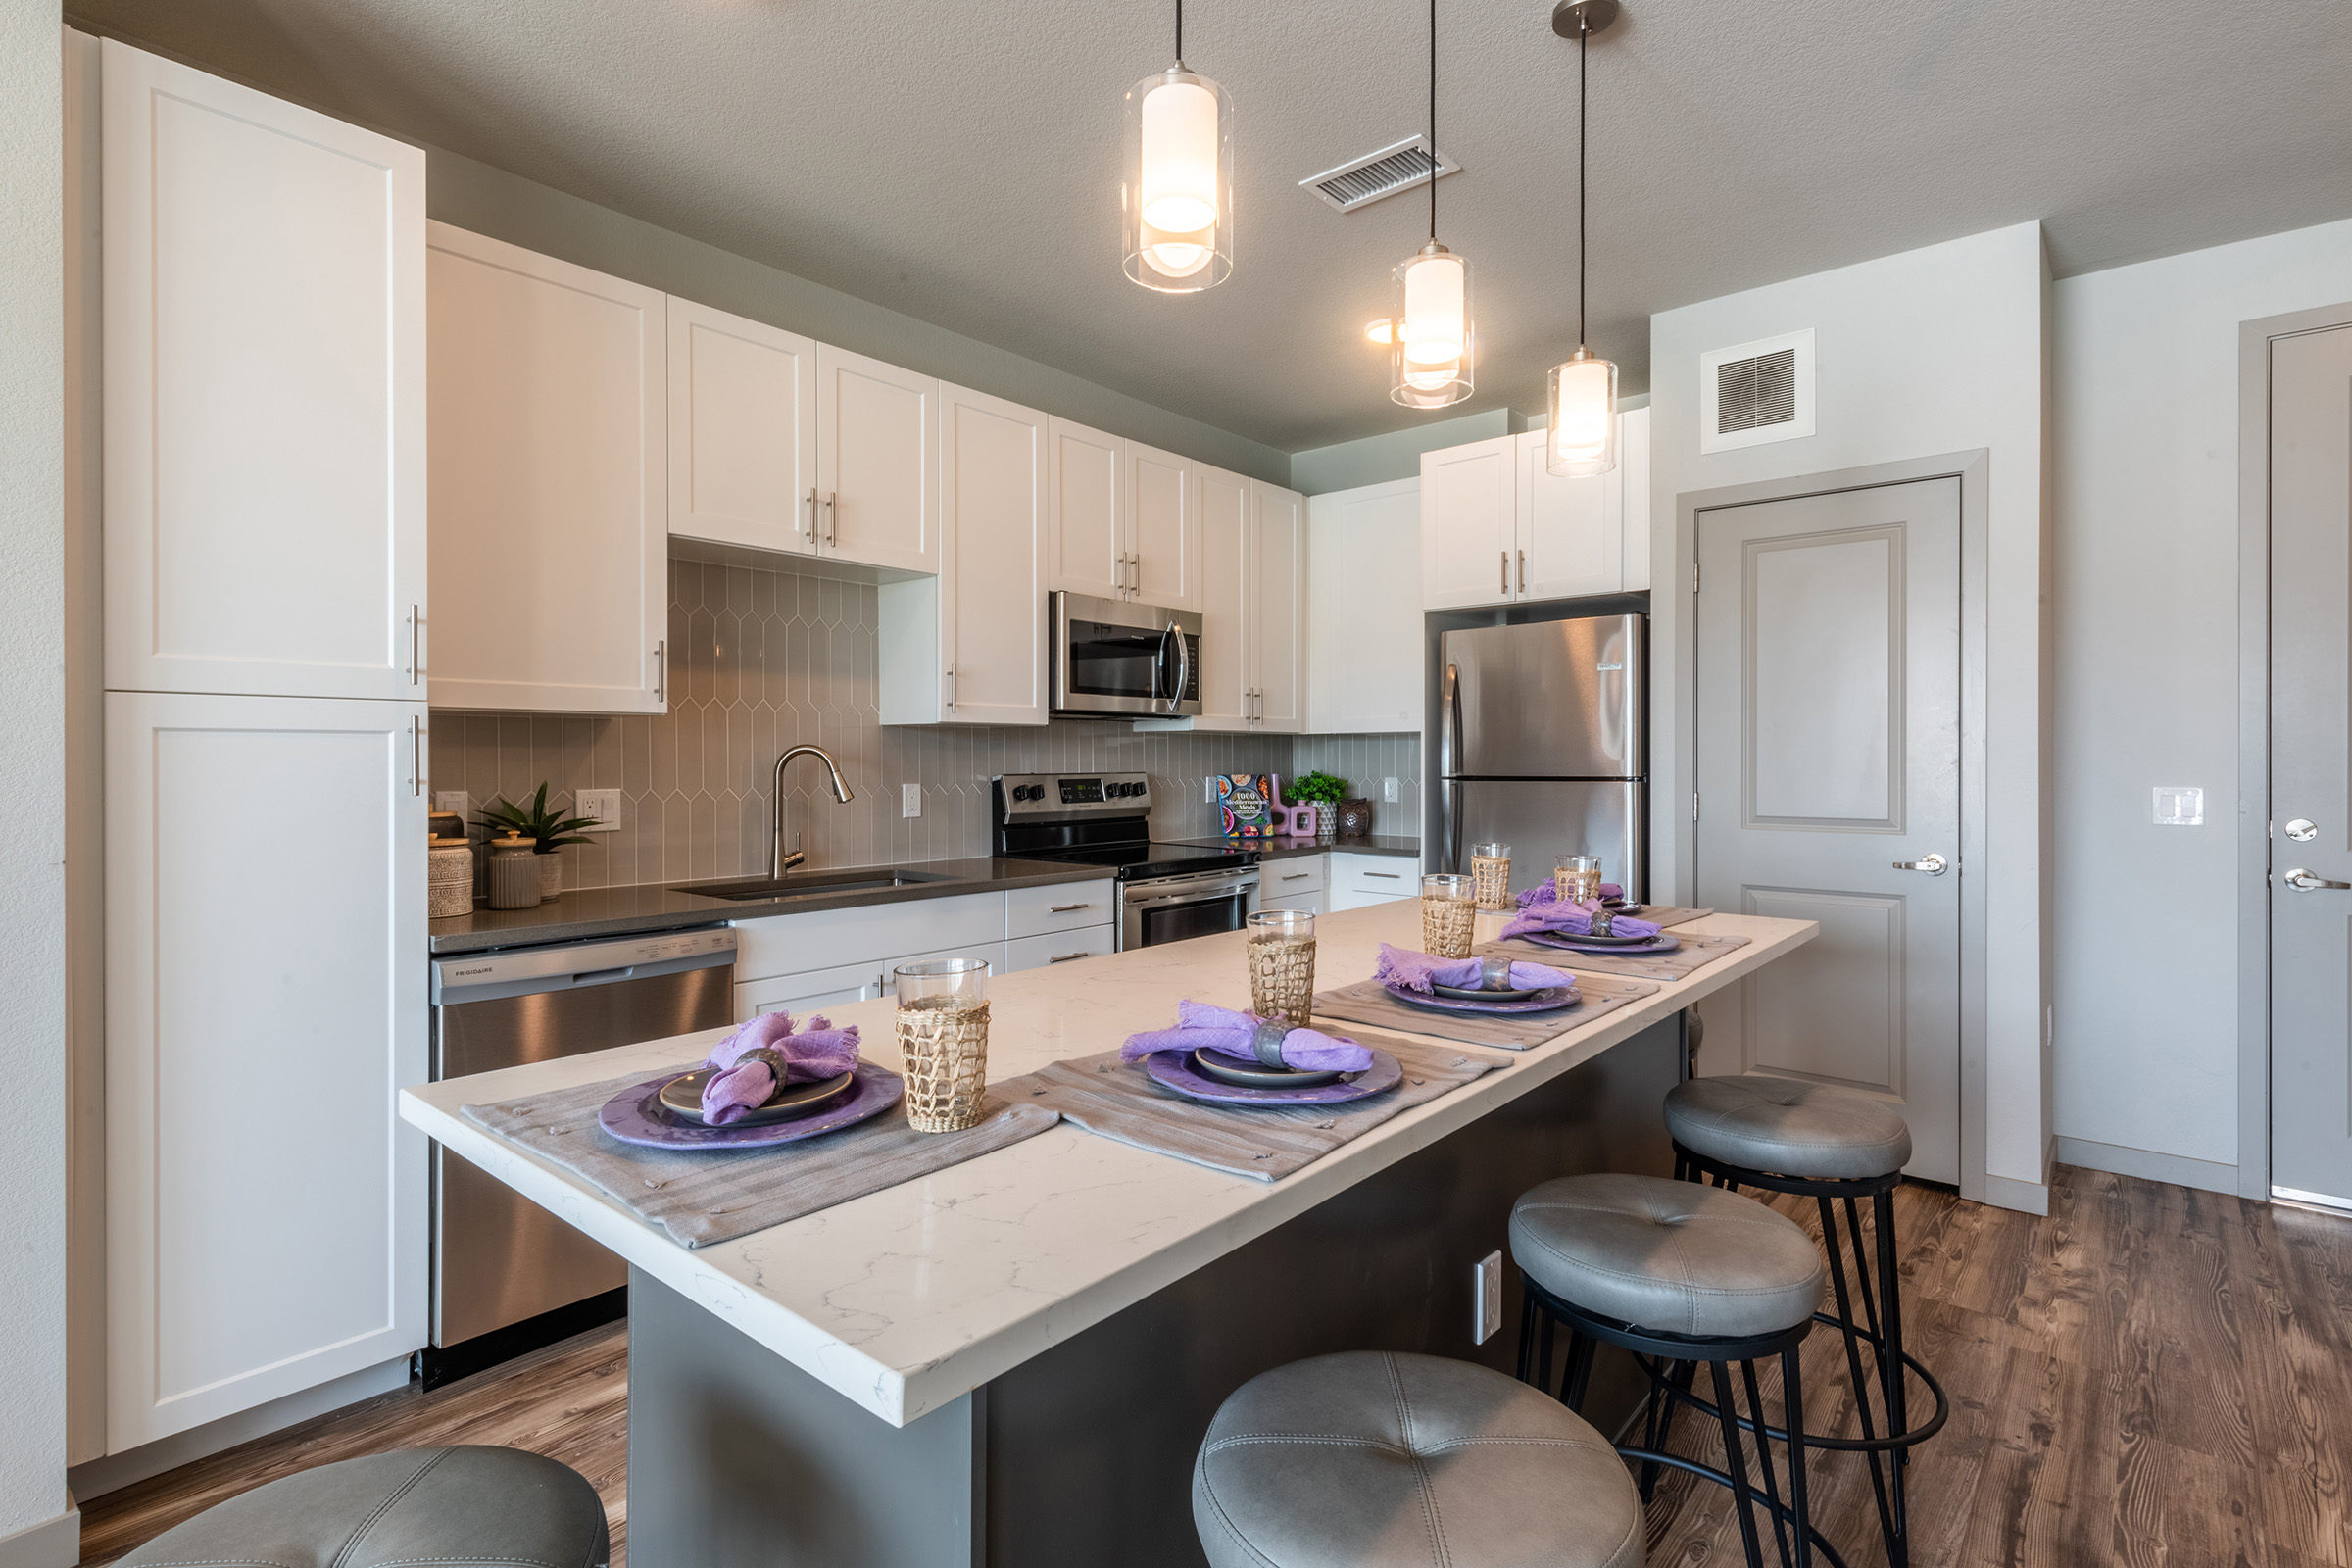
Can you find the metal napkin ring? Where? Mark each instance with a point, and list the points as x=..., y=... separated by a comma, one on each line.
x=1494, y=974
x=1267, y=1043
x=1602, y=922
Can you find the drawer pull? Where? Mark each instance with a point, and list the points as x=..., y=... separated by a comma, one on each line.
x=1068, y=908
x=1067, y=957
x=1299, y=877
x=1386, y=876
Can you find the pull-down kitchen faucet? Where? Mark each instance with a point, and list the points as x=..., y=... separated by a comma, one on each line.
x=781, y=860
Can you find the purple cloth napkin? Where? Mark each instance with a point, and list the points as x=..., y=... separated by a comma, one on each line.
x=1571, y=920
x=1201, y=1027
x=767, y=1054
x=1418, y=971
x=1549, y=893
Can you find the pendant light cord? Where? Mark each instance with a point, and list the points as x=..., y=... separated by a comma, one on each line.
x=1584, y=37
x=1180, y=32
x=1433, y=120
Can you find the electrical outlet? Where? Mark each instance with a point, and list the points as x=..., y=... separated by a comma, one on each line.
x=1208, y=790
x=458, y=801
x=1489, y=1297
x=910, y=799
x=603, y=804
x=1387, y=790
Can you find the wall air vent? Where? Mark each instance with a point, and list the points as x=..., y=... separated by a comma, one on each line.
x=1362, y=182
x=1756, y=392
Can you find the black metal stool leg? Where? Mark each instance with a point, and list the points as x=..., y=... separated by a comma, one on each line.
x=1734, y=1464
x=1772, y=1489
x=1579, y=1376
x=1890, y=1314
x=1853, y=1363
x=1792, y=1397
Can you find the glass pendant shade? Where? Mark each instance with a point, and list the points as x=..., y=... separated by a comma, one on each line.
x=1582, y=435
x=1434, y=355
x=1176, y=197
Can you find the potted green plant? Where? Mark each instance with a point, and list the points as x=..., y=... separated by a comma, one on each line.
x=1326, y=792
x=551, y=830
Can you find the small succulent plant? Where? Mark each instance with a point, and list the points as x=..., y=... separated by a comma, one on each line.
x=551, y=829
x=1324, y=789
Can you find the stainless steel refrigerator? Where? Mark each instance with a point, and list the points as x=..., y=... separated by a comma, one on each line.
x=1544, y=744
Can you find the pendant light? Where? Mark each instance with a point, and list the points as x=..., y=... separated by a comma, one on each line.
x=1582, y=434
x=1176, y=197
x=1432, y=354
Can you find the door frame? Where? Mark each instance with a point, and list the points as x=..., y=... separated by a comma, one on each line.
x=1973, y=468
x=2254, y=340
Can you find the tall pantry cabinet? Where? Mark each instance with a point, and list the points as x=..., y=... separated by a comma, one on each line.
x=261, y=278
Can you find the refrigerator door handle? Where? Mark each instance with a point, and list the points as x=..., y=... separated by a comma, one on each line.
x=1450, y=753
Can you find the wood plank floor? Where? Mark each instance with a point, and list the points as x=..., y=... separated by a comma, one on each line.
x=2148, y=1375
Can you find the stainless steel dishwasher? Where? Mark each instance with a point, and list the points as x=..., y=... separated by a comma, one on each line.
x=508, y=1275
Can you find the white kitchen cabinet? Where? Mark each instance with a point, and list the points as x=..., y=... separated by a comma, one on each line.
x=1163, y=529
x=1280, y=519
x=550, y=496
x=264, y=288
x=827, y=939
x=1294, y=882
x=266, y=1000
x=1571, y=531
x=742, y=401
x=1066, y=947
x=1253, y=612
x=1226, y=607
x=1088, y=543
x=1358, y=880
x=1469, y=523
x=818, y=988
x=968, y=647
x=877, y=457
x=1059, y=906
x=1363, y=610
x=1497, y=527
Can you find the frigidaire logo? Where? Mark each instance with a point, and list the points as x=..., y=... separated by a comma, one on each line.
x=484, y=969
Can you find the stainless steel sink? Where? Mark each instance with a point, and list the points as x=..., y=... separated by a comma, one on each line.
x=811, y=885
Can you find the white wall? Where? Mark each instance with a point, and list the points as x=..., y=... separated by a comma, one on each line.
x=1932, y=351
x=2146, y=381
x=32, y=1024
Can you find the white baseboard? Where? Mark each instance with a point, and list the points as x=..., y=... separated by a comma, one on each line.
x=51, y=1544
x=116, y=1471
x=2027, y=1197
x=2148, y=1165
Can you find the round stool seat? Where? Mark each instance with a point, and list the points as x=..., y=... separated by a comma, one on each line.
x=1788, y=1128
x=452, y=1508
x=1671, y=1257
x=1373, y=1460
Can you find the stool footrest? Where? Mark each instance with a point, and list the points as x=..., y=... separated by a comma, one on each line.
x=1708, y=1472
x=1904, y=1440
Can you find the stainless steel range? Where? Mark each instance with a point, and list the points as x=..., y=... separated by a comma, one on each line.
x=1167, y=892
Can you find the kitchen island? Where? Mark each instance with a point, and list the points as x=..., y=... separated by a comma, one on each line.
x=1009, y=1361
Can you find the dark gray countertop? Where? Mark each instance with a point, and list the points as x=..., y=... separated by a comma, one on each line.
x=1285, y=848
x=625, y=911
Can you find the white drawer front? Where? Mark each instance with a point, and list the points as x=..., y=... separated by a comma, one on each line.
x=1381, y=876
x=818, y=988
x=1062, y=907
x=1060, y=947
x=1311, y=902
x=1286, y=878
x=1344, y=896
x=824, y=939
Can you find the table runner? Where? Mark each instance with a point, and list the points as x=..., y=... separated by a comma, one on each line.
x=1366, y=1002
x=1119, y=1101
x=713, y=1195
x=1695, y=952
x=1665, y=915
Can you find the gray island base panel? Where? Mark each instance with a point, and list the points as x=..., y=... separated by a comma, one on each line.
x=1082, y=1454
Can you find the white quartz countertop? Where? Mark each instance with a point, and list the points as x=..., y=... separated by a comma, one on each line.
x=907, y=1299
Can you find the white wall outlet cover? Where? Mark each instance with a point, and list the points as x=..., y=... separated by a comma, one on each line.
x=910, y=799
x=2179, y=805
x=1488, y=1298
x=603, y=804
x=1388, y=789
x=458, y=801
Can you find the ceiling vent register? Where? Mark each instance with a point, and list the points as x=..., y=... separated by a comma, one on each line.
x=1362, y=182
x=1756, y=392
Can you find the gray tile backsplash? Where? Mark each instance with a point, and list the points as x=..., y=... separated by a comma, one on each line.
x=765, y=661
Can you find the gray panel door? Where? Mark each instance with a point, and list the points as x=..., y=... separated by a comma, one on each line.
x=1828, y=751
x=2311, y=786
x=1557, y=699
x=1541, y=820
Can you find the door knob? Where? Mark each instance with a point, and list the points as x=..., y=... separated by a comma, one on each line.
x=2303, y=881
x=1933, y=864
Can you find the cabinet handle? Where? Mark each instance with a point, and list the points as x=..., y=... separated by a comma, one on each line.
x=1067, y=957
x=951, y=688
x=415, y=757
x=1522, y=571
x=1507, y=571
x=812, y=517
x=1299, y=877
x=1068, y=908
x=661, y=670
x=416, y=670
x=832, y=511
x=1386, y=876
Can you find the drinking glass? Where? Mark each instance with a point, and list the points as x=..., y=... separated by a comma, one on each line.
x=1576, y=877
x=943, y=1039
x=1491, y=865
x=1282, y=966
x=1448, y=915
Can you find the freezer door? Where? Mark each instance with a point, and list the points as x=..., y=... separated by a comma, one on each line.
x=1558, y=699
x=1541, y=820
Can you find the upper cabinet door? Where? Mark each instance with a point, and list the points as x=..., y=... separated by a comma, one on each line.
x=992, y=589
x=1163, y=514
x=1571, y=531
x=549, y=568
x=877, y=487
x=741, y=431
x=1469, y=523
x=1087, y=539
x=264, y=398
x=1281, y=678
x=1633, y=468
x=1227, y=605
x=1364, y=615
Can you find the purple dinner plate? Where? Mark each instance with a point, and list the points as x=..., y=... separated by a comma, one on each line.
x=1551, y=1000
x=1173, y=1069
x=636, y=1115
x=1569, y=942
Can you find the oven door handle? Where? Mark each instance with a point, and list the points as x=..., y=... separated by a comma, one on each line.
x=1192, y=891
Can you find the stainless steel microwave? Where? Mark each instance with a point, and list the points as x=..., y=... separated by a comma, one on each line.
x=1115, y=658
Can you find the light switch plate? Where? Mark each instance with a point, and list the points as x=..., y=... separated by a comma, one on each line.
x=458, y=801
x=1489, y=1289
x=1208, y=790
x=2179, y=805
x=1387, y=790
x=603, y=804
x=910, y=799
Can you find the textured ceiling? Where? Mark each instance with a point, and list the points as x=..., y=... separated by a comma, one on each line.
x=958, y=161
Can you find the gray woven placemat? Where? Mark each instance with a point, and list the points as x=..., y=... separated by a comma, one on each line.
x=1695, y=952
x=1119, y=1101
x=707, y=1196
x=1366, y=1002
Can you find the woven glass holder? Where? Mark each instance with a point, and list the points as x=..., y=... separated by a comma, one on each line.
x=1448, y=915
x=1282, y=966
x=942, y=1042
x=1491, y=868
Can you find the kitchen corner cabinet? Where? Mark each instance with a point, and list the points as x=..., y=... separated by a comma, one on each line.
x=549, y=492
x=877, y=454
x=1497, y=527
x=1363, y=610
x=265, y=1224
x=968, y=645
x=1252, y=579
x=1124, y=520
x=264, y=391
x=742, y=400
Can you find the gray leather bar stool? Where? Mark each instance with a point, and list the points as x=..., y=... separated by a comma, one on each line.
x=1839, y=1148
x=1370, y=1459
x=458, y=1508
x=1683, y=1275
